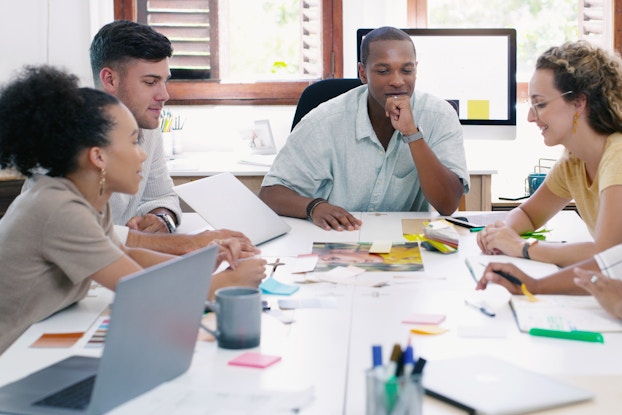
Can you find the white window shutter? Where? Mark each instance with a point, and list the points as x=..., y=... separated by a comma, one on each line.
x=595, y=22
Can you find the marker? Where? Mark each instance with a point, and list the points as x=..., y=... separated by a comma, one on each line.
x=396, y=355
x=391, y=385
x=409, y=360
x=586, y=336
x=419, y=366
x=479, y=228
x=480, y=308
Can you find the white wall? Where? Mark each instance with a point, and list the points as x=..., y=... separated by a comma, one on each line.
x=59, y=32
x=55, y=32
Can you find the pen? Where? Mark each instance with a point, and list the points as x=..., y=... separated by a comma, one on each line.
x=586, y=336
x=468, y=264
x=480, y=308
x=509, y=277
x=477, y=229
x=518, y=282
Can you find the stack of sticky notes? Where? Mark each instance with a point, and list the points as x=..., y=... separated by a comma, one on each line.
x=441, y=235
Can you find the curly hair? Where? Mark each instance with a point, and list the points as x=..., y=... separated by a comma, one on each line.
x=382, y=33
x=588, y=70
x=48, y=120
x=122, y=40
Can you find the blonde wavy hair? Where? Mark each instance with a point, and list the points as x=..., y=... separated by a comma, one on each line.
x=591, y=71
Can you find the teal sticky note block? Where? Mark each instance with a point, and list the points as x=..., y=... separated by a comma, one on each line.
x=272, y=286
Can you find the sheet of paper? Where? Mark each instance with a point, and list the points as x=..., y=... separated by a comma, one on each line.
x=413, y=226
x=563, y=312
x=380, y=247
x=320, y=302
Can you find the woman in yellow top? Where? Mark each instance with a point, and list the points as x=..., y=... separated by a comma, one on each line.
x=576, y=101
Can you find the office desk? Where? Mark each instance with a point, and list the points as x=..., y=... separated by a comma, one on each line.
x=195, y=165
x=328, y=349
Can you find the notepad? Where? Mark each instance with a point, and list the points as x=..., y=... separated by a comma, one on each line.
x=563, y=312
x=252, y=359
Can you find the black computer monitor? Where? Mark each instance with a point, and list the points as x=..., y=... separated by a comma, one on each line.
x=474, y=70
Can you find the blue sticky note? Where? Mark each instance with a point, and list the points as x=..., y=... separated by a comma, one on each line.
x=272, y=286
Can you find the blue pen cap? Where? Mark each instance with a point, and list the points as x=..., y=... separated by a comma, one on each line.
x=409, y=356
x=376, y=355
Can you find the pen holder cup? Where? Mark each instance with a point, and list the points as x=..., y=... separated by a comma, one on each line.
x=399, y=395
x=167, y=143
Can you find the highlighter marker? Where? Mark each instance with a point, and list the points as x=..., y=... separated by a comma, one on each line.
x=586, y=336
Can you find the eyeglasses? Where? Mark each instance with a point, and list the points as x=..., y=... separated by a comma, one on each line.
x=540, y=105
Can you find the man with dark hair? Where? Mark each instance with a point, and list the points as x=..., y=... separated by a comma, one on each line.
x=131, y=61
x=380, y=147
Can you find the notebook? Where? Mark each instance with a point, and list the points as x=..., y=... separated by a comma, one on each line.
x=153, y=330
x=226, y=203
x=486, y=385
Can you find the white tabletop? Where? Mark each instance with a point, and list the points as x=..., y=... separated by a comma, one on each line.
x=326, y=350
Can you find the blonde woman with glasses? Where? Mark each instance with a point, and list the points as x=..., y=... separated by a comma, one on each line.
x=576, y=101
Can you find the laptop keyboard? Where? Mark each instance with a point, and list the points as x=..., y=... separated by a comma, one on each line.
x=76, y=396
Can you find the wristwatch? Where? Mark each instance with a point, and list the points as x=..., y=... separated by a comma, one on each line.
x=413, y=137
x=168, y=221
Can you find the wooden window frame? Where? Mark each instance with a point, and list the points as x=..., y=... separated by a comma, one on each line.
x=417, y=12
x=191, y=92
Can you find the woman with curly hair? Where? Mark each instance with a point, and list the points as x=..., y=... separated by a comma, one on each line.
x=57, y=236
x=576, y=101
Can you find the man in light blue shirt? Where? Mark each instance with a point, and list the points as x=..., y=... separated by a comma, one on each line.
x=379, y=147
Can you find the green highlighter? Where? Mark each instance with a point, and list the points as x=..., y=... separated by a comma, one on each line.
x=586, y=336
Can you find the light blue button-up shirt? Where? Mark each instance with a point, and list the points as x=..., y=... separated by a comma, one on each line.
x=334, y=153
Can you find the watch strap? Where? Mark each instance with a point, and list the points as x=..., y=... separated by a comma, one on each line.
x=413, y=137
x=168, y=221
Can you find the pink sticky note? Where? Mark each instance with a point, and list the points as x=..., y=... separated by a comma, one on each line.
x=252, y=359
x=420, y=318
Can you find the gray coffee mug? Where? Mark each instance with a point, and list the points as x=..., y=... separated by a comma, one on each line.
x=238, y=317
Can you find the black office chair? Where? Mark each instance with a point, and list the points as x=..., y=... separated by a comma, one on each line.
x=321, y=91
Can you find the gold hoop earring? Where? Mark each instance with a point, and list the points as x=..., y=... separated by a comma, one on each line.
x=575, y=122
x=102, y=181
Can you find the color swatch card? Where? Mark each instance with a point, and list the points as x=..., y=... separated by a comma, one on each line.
x=57, y=340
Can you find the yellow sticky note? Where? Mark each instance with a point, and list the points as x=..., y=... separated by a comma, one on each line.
x=428, y=329
x=478, y=109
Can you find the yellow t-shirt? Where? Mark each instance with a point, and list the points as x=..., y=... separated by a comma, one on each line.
x=568, y=179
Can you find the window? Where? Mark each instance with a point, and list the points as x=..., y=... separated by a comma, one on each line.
x=207, y=33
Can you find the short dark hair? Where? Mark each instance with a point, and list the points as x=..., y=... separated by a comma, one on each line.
x=382, y=33
x=122, y=40
x=48, y=120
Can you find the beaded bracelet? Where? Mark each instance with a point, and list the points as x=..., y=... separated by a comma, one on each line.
x=312, y=205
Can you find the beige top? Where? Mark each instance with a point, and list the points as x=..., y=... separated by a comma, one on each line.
x=51, y=241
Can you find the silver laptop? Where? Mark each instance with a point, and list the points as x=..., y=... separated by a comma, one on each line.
x=226, y=203
x=486, y=385
x=153, y=330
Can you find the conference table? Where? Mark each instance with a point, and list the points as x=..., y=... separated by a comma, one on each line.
x=326, y=349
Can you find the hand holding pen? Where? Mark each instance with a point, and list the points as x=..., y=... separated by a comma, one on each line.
x=509, y=276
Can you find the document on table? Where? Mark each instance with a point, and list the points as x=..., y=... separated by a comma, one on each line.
x=564, y=313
